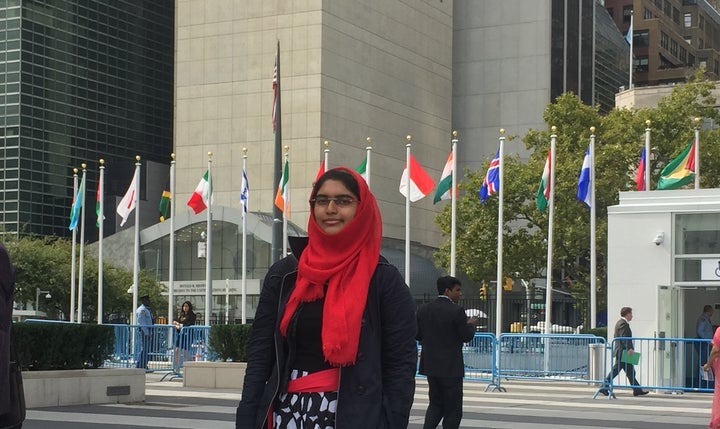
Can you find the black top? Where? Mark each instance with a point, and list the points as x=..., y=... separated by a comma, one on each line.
x=308, y=339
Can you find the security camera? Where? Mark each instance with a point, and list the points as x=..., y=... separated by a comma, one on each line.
x=659, y=238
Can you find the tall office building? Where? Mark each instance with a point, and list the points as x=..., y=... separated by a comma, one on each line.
x=512, y=58
x=671, y=38
x=81, y=81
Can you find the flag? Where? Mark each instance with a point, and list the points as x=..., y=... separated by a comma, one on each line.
x=680, y=171
x=127, y=204
x=446, y=179
x=200, y=199
x=98, y=207
x=543, y=193
x=77, y=205
x=421, y=182
x=320, y=171
x=164, y=206
x=491, y=182
x=640, y=178
x=584, y=182
x=276, y=90
x=362, y=169
x=629, y=35
x=244, y=192
x=282, y=198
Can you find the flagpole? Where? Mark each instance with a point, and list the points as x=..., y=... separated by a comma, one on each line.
x=368, y=151
x=286, y=207
x=81, y=269
x=697, y=153
x=100, y=222
x=407, y=210
x=208, y=247
x=453, y=204
x=647, y=155
x=551, y=212
x=244, y=247
x=136, y=247
x=327, y=155
x=277, y=158
x=593, y=244
x=73, y=257
x=631, y=50
x=499, y=273
x=171, y=262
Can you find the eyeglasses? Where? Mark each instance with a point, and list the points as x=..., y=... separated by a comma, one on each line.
x=341, y=201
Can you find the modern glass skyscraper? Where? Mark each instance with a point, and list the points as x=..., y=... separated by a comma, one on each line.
x=79, y=81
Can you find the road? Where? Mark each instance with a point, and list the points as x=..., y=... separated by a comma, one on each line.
x=539, y=405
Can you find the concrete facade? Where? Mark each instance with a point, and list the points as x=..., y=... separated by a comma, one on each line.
x=349, y=70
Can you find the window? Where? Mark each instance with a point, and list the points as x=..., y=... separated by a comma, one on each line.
x=683, y=55
x=627, y=12
x=691, y=60
x=664, y=40
x=687, y=19
x=667, y=8
x=702, y=22
x=647, y=14
x=676, y=15
x=673, y=47
x=701, y=44
x=641, y=64
x=641, y=38
x=688, y=40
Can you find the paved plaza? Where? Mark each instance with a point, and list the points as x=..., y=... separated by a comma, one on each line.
x=525, y=404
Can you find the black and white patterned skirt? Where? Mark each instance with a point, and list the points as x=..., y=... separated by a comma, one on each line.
x=305, y=410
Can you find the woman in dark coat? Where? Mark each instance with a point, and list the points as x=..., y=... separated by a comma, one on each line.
x=333, y=341
x=182, y=336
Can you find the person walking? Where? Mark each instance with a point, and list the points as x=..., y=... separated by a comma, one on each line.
x=333, y=341
x=622, y=329
x=144, y=332
x=714, y=363
x=442, y=329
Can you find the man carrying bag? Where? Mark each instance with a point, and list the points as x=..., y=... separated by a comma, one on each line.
x=12, y=399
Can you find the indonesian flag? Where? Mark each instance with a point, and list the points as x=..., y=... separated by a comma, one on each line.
x=640, y=177
x=128, y=202
x=543, y=193
x=421, y=183
x=282, y=197
x=443, y=189
x=200, y=199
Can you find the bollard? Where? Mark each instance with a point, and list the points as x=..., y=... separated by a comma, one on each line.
x=596, y=363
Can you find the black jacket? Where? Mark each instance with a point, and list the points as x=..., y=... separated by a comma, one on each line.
x=442, y=330
x=622, y=329
x=377, y=392
x=7, y=288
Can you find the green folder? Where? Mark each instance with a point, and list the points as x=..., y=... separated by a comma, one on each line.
x=633, y=358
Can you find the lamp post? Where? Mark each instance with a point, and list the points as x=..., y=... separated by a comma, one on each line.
x=37, y=297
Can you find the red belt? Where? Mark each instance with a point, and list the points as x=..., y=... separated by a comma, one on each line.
x=327, y=380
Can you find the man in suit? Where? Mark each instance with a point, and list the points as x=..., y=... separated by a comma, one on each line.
x=622, y=329
x=442, y=330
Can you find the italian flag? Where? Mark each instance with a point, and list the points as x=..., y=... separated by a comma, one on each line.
x=362, y=169
x=200, y=199
x=421, y=183
x=680, y=171
x=282, y=197
x=443, y=188
x=543, y=193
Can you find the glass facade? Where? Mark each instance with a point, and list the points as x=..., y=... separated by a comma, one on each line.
x=696, y=246
x=79, y=81
x=589, y=56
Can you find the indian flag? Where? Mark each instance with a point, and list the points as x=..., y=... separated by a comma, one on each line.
x=282, y=197
x=443, y=188
x=200, y=199
x=680, y=171
x=543, y=193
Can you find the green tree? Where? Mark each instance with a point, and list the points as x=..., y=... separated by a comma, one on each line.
x=619, y=139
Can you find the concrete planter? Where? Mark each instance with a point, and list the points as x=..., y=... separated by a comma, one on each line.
x=211, y=375
x=83, y=386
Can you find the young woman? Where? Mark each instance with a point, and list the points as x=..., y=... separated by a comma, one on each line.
x=333, y=342
x=183, y=337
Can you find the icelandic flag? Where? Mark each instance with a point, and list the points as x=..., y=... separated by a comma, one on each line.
x=491, y=182
x=584, y=182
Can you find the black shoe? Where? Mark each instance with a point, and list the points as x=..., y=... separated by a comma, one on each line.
x=640, y=392
x=603, y=392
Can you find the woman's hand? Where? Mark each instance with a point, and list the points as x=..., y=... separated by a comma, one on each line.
x=706, y=367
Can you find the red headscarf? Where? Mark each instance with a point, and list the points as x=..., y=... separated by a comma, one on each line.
x=345, y=261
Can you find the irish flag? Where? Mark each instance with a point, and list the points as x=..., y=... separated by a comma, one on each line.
x=421, y=183
x=282, y=197
x=443, y=188
x=680, y=171
x=543, y=193
x=200, y=199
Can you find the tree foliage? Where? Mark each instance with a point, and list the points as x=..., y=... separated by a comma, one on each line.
x=619, y=140
x=45, y=263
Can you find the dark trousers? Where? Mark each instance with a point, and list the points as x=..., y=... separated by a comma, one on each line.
x=143, y=344
x=446, y=396
x=629, y=372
